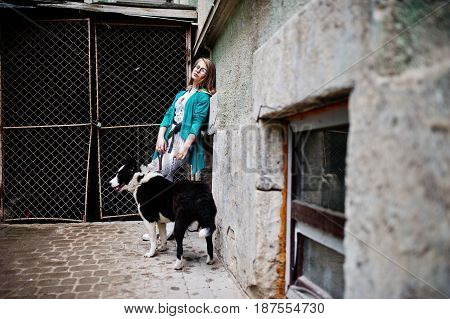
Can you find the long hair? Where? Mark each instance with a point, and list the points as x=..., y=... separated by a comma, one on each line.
x=209, y=81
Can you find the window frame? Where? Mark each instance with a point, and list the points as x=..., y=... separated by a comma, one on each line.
x=322, y=225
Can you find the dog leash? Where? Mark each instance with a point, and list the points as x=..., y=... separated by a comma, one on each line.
x=160, y=156
x=171, y=134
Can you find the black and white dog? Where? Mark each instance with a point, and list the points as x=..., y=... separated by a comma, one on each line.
x=160, y=201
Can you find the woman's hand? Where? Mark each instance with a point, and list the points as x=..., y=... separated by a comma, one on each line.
x=161, y=145
x=182, y=153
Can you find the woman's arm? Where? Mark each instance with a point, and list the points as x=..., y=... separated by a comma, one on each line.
x=167, y=120
x=201, y=110
x=200, y=113
x=161, y=142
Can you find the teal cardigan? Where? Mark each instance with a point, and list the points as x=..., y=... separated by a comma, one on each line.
x=195, y=114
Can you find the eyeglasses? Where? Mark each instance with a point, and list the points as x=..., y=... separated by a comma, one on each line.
x=200, y=69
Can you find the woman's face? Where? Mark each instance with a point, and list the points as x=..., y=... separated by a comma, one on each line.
x=199, y=71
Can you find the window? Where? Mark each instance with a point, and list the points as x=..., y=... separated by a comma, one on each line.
x=317, y=208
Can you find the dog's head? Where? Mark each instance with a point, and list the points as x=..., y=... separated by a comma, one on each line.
x=124, y=175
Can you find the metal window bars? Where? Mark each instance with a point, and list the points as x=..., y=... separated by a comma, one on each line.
x=47, y=114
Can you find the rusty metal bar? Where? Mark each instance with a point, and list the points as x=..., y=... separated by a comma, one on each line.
x=98, y=131
x=137, y=24
x=45, y=126
x=91, y=120
x=2, y=212
x=127, y=126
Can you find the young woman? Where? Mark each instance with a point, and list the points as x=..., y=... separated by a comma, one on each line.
x=179, y=138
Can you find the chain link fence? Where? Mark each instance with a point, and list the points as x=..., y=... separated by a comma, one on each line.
x=49, y=104
x=140, y=70
x=45, y=73
x=45, y=172
x=45, y=119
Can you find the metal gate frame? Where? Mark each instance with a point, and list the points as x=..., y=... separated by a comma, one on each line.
x=89, y=125
x=92, y=55
x=154, y=125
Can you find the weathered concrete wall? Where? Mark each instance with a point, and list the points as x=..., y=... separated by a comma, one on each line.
x=203, y=9
x=246, y=186
x=397, y=233
x=398, y=179
x=248, y=218
x=251, y=25
x=397, y=204
x=308, y=57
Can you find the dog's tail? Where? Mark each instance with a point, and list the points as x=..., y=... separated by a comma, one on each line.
x=204, y=232
x=206, y=221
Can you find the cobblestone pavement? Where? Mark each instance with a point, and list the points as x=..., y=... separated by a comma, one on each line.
x=103, y=260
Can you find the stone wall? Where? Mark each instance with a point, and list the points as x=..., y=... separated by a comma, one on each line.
x=203, y=9
x=272, y=63
x=398, y=176
x=248, y=172
x=247, y=187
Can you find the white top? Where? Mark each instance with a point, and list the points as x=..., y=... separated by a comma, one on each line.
x=181, y=102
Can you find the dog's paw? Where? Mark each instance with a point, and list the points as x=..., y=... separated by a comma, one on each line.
x=150, y=253
x=209, y=261
x=162, y=248
x=178, y=264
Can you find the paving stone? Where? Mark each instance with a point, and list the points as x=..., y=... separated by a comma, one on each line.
x=88, y=295
x=54, y=275
x=84, y=267
x=74, y=263
x=102, y=260
x=89, y=280
x=55, y=290
x=68, y=281
x=36, y=270
x=84, y=257
x=82, y=274
x=54, y=263
x=101, y=273
x=81, y=288
x=48, y=282
x=100, y=287
x=26, y=292
x=12, y=272
x=5, y=293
